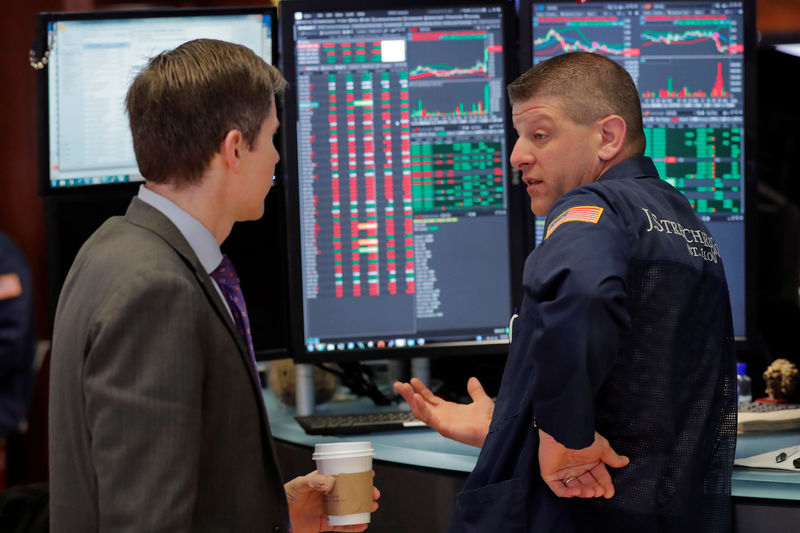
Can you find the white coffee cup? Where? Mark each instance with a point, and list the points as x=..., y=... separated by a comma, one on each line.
x=350, y=501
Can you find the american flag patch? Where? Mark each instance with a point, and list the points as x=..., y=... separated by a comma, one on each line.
x=583, y=213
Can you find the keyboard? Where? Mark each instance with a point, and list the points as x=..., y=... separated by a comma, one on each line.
x=348, y=424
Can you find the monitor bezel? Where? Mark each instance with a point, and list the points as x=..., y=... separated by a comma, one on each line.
x=43, y=20
x=515, y=217
x=749, y=40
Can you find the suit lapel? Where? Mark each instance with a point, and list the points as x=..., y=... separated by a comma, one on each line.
x=146, y=216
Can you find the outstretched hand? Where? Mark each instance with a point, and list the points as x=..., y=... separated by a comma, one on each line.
x=467, y=423
x=304, y=495
x=578, y=473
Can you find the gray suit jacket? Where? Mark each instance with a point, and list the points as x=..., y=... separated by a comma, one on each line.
x=156, y=417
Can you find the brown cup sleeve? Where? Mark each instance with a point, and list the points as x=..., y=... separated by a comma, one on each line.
x=352, y=493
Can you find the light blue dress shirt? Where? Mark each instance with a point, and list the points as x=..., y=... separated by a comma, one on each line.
x=200, y=239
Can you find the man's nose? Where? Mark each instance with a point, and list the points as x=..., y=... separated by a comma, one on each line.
x=519, y=157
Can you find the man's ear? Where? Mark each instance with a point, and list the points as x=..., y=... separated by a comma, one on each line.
x=231, y=149
x=612, y=137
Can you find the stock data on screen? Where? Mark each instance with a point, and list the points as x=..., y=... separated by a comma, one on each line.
x=402, y=198
x=686, y=59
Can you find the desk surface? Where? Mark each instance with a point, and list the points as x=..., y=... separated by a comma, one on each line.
x=755, y=483
x=426, y=448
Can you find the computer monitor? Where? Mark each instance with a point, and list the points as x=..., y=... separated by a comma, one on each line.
x=87, y=167
x=399, y=195
x=778, y=108
x=779, y=198
x=694, y=64
x=92, y=57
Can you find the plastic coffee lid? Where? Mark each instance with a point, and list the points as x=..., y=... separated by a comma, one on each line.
x=342, y=450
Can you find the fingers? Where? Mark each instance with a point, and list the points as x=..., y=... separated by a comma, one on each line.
x=424, y=391
x=297, y=486
x=376, y=494
x=590, y=487
x=571, y=489
x=405, y=390
x=594, y=483
x=357, y=527
x=475, y=390
x=602, y=450
x=318, y=482
x=418, y=385
x=606, y=452
x=600, y=473
x=613, y=459
x=415, y=392
x=579, y=473
x=418, y=403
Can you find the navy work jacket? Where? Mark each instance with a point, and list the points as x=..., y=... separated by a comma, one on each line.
x=625, y=329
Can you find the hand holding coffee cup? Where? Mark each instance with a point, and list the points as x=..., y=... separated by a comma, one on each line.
x=305, y=494
x=351, y=499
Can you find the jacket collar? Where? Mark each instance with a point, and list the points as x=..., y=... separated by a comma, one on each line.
x=634, y=167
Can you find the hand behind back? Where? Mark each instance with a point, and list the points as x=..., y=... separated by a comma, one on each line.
x=578, y=473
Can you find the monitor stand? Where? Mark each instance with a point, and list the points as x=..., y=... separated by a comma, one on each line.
x=421, y=369
x=304, y=389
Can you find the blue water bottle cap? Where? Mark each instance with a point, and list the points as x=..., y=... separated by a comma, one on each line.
x=741, y=369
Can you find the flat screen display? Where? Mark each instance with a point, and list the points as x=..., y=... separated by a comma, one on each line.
x=689, y=62
x=93, y=57
x=400, y=187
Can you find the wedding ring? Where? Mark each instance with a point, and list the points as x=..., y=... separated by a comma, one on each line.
x=568, y=480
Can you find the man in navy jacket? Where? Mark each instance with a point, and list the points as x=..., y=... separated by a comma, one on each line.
x=617, y=409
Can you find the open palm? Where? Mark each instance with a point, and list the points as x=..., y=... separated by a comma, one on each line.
x=467, y=423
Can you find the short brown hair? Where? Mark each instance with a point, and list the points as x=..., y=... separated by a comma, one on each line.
x=184, y=102
x=591, y=86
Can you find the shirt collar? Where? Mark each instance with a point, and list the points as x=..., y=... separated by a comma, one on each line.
x=203, y=243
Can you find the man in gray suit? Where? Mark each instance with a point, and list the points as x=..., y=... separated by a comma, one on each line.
x=157, y=422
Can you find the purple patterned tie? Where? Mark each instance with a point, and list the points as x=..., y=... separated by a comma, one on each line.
x=228, y=281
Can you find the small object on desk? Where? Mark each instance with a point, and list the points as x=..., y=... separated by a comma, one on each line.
x=772, y=460
x=781, y=457
x=744, y=383
x=781, y=378
x=348, y=424
x=282, y=381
